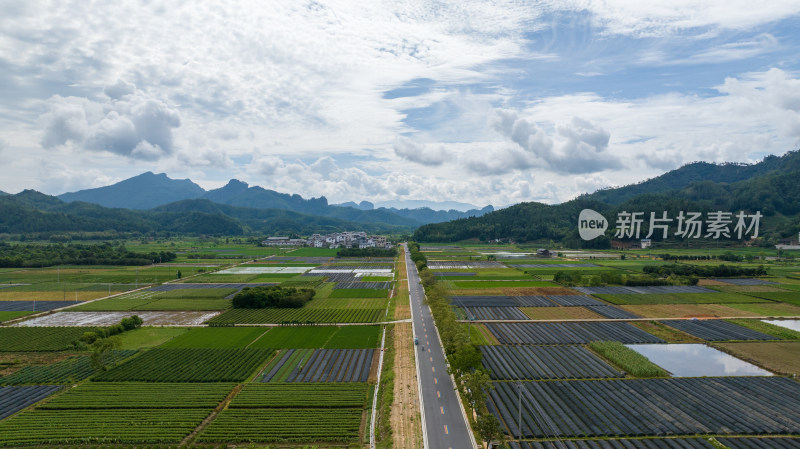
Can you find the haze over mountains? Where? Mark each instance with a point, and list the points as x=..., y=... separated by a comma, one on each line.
x=149, y=190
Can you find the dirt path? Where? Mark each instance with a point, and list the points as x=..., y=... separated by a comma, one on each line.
x=402, y=308
x=405, y=417
x=213, y=415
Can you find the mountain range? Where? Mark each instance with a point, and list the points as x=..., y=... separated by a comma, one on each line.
x=149, y=190
x=154, y=203
x=770, y=186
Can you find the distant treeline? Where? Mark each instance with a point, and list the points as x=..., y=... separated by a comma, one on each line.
x=28, y=255
x=719, y=271
x=366, y=252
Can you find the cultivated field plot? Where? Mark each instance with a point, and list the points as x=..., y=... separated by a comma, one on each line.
x=652, y=407
x=552, y=265
x=233, y=287
x=746, y=282
x=560, y=313
x=760, y=443
x=34, y=306
x=303, y=315
x=294, y=395
x=93, y=319
x=612, y=312
x=326, y=365
x=14, y=399
x=575, y=300
x=39, y=339
x=671, y=443
x=478, y=285
x=454, y=273
x=263, y=270
x=486, y=301
x=309, y=260
x=494, y=313
x=216, y=337
x=70, y=370
x=328, y=337
x=778, y=356
x=332, y=277
x=681, y=298
x=363, y=285
x=463, y=265
x=644, y=290
x=99, y=426
x=135, y=395
x=544, y=362
x=717, y=330
x=189, y=365
x=284, y=425
x=568, y=333
x=176, y=299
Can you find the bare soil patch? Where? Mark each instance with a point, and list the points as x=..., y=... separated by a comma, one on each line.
x=11, y=362
x=665, y=332
x=109, y=318
x=405, y=416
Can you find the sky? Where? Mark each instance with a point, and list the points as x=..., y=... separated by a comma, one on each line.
x=483, y=102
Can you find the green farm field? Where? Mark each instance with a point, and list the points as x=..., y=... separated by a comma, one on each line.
x=216, y=337
x=680, y=298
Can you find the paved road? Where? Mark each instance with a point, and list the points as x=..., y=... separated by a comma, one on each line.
x=445, y=425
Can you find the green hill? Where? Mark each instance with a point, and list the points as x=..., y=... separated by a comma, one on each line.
x=772, y=189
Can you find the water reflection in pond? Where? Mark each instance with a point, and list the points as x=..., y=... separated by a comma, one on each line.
x=789, y=324
x=694, y=360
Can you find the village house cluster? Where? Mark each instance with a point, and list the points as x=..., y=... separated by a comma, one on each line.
x=334, y=240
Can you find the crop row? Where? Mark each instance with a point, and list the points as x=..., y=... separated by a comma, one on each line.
x=14, y=399
x=48, y=427
x=189, y=365
x=364, y=285
x=663, y=443
x=568, y=333
x=544, y=362
x=323, y=365
x=257, y=316
x=134, y=395
x=70, y=370
x=33, y=306
x=299, y=395
x=494, y=313
x=39, y=338
x=650, y=407
x=284, y=425
x=717, y=330
x=760, y=443
x=628, y=359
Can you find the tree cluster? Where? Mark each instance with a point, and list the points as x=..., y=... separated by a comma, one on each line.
x=273, y=296
x=717, y=271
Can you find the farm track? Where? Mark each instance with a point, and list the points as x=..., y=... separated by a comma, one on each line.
x=222, y=406
x=405, y=416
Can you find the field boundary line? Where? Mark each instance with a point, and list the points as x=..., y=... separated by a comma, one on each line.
x=222, y=406
x=377, y=390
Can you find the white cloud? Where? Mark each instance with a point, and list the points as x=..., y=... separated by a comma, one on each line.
x=577, y=146
x=420, y=153
x=638, y=18
x=131, y=124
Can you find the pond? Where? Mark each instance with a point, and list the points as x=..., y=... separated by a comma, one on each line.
x=789, y=324
x=695, y=360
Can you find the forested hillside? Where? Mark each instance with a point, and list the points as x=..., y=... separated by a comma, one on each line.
x=774, y=191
